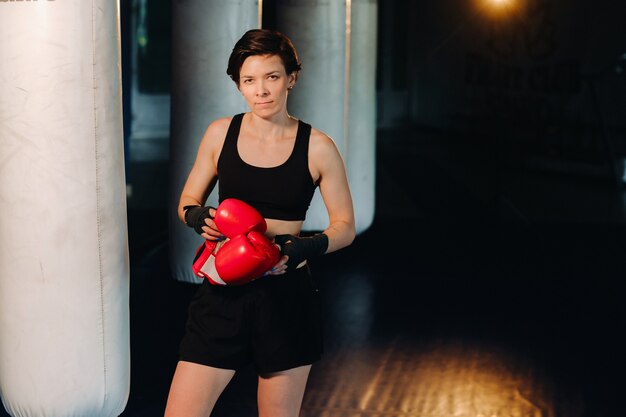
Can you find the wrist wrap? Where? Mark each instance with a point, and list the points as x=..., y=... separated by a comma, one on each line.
x=195, y=216
x=300, y=248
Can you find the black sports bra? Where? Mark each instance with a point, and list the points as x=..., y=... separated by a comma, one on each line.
x=282, y=192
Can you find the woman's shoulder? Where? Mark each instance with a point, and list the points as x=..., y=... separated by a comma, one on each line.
x=214, y=137
x=215, y=132
x=219, y=125
x=320, y=142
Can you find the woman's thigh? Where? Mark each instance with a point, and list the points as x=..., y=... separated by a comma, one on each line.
x=195, y=389
x=280, y=393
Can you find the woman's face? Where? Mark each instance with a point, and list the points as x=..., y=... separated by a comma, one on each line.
x=264, y=84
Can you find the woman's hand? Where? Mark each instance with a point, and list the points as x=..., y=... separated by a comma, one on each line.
x=201, y=220
x=280, y=267
x=296, y=249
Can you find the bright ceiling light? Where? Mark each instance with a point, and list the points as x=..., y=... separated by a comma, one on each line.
x=498, y=8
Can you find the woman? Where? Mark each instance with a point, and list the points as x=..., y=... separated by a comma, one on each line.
x=273, y=162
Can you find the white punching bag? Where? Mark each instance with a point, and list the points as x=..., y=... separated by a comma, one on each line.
x=360, y=147
x=336, y=43
x=203, y=35
x=64, y=271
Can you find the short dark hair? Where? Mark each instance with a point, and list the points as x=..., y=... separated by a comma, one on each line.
x=262, y=42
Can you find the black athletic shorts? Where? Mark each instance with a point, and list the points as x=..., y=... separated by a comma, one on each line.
x=273, y=322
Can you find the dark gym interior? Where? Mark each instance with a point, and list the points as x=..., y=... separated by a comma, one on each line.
x=491, y=280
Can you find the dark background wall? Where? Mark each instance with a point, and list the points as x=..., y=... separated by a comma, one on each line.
x=546, y=80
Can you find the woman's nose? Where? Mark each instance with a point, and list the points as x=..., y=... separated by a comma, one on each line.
x=261, y=89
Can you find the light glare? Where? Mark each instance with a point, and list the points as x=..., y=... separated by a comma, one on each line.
x=498, y=8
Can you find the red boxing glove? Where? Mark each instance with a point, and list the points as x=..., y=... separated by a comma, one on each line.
x=245, y=256
x=234, y=217
x=203, y=264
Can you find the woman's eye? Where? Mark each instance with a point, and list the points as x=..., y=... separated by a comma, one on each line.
x=273, y=77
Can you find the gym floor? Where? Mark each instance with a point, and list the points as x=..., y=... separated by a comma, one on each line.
x=481, y=289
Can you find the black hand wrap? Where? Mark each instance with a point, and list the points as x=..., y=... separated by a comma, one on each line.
x=300, y=248
x=195, y=215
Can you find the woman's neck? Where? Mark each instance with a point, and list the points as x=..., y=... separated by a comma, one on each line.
x=271, y=128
